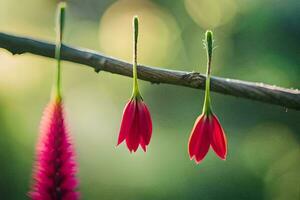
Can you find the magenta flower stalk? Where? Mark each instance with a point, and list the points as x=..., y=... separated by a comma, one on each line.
x=55, y=169
x=136, y=124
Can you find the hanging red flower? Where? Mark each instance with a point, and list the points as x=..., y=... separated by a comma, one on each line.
x=207, y=131
x=136, y=125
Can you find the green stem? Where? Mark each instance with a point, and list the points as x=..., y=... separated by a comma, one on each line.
x=135, y=92
x=59, y=35
x=207, y=102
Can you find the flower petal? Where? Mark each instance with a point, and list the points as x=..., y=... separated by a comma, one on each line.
x=199, y=141
x=193, y=140
x=127, y=120
x=145, y=125
x=218, y=139
x=132, y=138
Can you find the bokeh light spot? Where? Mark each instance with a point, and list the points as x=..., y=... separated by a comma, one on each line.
x=158, y=32
x=211, y=13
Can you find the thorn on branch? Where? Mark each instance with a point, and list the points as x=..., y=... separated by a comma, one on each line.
x=16, y=51
x=97, y=69
x=99, y=64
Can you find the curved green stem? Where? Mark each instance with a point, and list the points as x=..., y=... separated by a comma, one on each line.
x=59, y=35
x=135, y=92
x=208, y=43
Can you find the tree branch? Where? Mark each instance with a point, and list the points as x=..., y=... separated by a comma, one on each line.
x=287, y=98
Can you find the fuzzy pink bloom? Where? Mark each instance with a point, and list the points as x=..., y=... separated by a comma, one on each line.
x=207, y=132
x=55, y=169
x=136, y=125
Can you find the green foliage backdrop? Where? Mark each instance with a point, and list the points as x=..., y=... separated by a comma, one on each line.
x=256, y=41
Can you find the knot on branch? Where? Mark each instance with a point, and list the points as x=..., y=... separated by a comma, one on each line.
x=99, y=64
x=194, y=79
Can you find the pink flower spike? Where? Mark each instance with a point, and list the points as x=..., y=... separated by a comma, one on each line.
x=136, y=125
x=55, y=169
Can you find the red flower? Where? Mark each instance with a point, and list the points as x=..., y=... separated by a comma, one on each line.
x=136, y=125
x=207, y=132
x=55, y=169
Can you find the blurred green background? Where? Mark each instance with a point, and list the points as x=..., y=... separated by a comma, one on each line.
x=256, y=41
